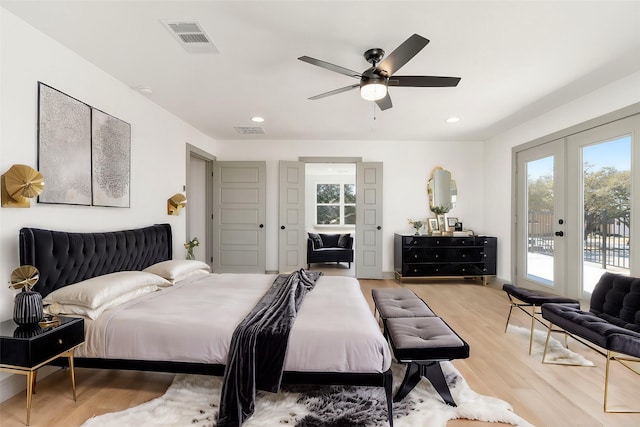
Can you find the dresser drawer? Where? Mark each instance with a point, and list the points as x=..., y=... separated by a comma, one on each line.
x=23, y=350
x=448, y=269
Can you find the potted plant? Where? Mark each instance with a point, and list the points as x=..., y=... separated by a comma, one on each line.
x=417, y=224
x=189, y=247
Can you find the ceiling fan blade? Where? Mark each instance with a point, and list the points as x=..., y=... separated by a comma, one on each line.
x=384, y=103
x=336, y=91
x=330, y=67
x=402, y=54
x=424, y=81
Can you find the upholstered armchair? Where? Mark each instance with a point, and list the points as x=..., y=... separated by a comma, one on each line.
x=329, y=248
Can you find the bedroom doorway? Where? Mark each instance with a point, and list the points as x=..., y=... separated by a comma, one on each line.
x=331, y=207
x=198, y=191
x=368, y=215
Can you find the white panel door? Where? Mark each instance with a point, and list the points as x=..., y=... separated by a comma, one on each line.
x=291, y=237
x=239, y=208
x=369, y=220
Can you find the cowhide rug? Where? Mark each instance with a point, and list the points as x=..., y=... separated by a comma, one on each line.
x=556, y=353
x=192, y=400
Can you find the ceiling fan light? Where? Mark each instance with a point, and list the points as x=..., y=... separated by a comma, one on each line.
x=373, y=91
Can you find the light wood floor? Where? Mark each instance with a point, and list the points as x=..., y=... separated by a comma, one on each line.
x=499, y=365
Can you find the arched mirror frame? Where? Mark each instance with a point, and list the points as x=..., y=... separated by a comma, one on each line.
x=442, y=190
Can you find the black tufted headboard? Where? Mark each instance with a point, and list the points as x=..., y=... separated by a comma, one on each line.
x=65, y=258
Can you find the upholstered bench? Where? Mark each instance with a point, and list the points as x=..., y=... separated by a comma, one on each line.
x=422, y=343
x=612, y=322
x=534, y=299
x=399, y=302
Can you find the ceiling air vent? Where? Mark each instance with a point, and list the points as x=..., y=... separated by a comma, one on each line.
x=249, y=130
x=191, y=36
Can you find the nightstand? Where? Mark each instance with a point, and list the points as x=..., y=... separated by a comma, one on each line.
x=24, y=351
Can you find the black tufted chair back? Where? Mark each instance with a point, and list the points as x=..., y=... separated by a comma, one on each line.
x=616, y=299
x=65, y=258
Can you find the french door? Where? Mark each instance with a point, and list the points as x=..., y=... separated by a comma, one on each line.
x=600, y=198
x=540, y=217
x=575, y=211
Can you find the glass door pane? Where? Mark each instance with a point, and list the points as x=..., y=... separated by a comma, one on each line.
x=606, y=192
x=540, y=214
x=541, y=251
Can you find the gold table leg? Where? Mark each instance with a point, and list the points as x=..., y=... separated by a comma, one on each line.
x=30, y=379
x=72, y=373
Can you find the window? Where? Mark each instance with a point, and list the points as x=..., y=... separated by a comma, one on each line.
x=335, y=204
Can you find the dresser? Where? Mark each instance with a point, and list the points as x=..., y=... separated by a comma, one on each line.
x=444, y=256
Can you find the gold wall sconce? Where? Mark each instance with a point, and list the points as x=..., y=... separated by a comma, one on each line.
x=175, y=202
x=19, y=184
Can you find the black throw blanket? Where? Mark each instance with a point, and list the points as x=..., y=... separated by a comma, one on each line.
x=259, y=345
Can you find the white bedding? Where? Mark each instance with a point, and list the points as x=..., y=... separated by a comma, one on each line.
x=193, y=321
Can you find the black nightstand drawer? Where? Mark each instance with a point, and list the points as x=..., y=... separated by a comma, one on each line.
x=30, y=349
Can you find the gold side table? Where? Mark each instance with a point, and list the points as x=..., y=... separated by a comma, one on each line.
x=25, y=350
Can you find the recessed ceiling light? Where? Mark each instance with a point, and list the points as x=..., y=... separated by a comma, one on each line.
x=453, y=119
x=257, y=119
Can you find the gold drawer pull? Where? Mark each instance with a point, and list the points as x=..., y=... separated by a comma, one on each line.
x=59, y=340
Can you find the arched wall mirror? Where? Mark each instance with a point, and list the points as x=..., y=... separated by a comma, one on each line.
x=442, y=191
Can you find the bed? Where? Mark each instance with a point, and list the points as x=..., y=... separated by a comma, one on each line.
x=185, y=325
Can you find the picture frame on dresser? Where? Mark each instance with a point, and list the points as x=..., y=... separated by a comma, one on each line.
x=442, y=223
x=433, y=224
x=451, y=223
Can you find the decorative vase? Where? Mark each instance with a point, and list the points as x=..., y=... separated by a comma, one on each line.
x=190, y=254
x=27, y=308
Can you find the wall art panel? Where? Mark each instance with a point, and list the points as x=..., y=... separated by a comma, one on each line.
x=64, y=147
x=111, y=160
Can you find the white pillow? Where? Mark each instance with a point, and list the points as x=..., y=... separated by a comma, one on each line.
x=97, y=291
x=178, y=269
x=92, y=313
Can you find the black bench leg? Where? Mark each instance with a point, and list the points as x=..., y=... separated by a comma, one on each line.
x=388, y=388
x=433, y=372
x=410, y=380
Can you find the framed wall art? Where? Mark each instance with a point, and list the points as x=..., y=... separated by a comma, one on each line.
x=83, y=153
x=64, y=147
x=111, y=160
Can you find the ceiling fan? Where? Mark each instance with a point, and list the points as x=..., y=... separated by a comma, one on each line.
x=375, y=80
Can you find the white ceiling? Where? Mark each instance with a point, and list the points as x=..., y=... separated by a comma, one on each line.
x=517, y=60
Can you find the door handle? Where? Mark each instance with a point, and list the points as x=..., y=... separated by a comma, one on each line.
x=261, y=225
x=560, y=233
x=282, y=227
x=379, y=228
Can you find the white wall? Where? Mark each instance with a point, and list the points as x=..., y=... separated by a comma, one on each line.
x=407, y=168
x=498, y=157
x=157, y=147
